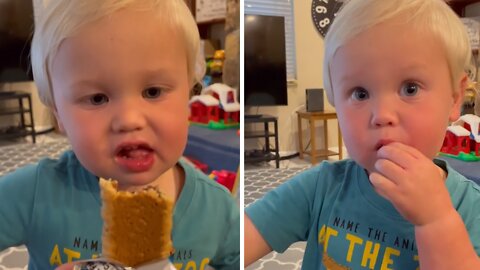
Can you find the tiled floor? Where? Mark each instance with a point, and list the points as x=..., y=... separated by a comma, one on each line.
x=15, y=258
x=257, y=183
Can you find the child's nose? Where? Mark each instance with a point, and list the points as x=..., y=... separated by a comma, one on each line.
x=384, y=114
x=127, y=118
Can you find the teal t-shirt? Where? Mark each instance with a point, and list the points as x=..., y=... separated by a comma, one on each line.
x=346, y=224
x=53, y=208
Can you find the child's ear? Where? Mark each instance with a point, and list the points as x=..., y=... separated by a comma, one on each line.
x=59, y=122
x=458, y=98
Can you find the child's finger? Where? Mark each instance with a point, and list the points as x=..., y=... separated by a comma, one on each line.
x=407, y=149
x=390, y=170
x=399, y=154
x=383, y=185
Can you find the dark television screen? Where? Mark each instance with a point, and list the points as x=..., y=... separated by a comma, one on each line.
x=264, y=62
x=16, y=27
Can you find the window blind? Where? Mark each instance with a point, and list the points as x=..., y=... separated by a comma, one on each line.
x=278, y=8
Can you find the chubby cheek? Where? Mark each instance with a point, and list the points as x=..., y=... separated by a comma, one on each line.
x=86, y=140
x=175, y=131
x=354, y=142
x=427, y=133
x=430, y=142
x=352, y=127
x=356, y=136
x=179, y=135
x=78, y=126
x=83, y=138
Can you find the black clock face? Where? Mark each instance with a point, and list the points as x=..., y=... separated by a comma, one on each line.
x=323, y=14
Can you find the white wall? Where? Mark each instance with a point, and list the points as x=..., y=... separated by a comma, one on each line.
x=309, y=49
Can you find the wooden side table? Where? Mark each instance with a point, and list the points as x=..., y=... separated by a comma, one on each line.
x=25, y=128
x=314, y=152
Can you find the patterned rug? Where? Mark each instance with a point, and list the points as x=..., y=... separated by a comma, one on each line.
x=11, y=158
x=19, y=155
x=257, y=183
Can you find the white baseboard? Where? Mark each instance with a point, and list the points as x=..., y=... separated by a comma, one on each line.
x=334, y=149
x=42, y=128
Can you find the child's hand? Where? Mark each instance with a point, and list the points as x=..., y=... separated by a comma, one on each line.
x=88, y=264
x=412, y=182
x=164, y=264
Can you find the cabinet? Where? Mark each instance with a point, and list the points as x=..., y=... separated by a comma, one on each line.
x=267, y=154
x=24, y=111
x=213, y=29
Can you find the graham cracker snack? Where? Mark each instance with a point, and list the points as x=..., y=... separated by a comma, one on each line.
x=137, y=225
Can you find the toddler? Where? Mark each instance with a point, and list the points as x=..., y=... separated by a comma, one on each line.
x=117, y=75
x=395, y=72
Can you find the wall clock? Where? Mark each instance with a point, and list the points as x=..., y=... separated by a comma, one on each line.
x=323, y=14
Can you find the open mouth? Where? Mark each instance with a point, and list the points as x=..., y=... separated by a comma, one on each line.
x=134, y=151
x=135, y=157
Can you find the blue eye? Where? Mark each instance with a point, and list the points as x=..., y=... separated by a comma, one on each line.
x=98, y=99
x=360, y=93
x=410, y=89
x=152, y=92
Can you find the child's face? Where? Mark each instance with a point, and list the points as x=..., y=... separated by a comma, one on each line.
x=121, y=93
x=392, y=84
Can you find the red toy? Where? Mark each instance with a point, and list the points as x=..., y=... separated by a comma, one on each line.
x=199, y=165
x=462, y=139
x=225, y=178
x=217, y=107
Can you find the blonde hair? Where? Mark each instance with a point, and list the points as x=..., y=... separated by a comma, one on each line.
x=426, y=16
x=60, y=19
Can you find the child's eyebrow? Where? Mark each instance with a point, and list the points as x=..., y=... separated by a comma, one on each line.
x=416, y=67
x=347, y=78
x=85, y=83
x=413, y=67
x=159, y=72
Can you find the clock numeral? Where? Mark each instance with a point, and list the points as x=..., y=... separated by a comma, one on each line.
x=324, y=22
x=325, y=1
x=321, y=9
